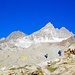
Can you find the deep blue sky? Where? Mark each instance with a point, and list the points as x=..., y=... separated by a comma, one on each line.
x=31, y=15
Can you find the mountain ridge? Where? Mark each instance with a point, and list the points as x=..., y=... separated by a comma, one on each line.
x=46, y=34
x=48, y=27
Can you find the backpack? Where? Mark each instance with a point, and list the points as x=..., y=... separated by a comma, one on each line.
x=46, y=55
x=59, y=53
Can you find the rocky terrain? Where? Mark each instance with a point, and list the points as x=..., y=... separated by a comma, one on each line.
x=58, y=66
x=22, y=54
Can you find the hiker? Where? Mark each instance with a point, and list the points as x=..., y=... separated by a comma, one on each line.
x=46, y=56
x=59, y=52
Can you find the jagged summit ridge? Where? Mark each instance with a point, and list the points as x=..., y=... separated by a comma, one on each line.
x=46, y=34
x=49, y=31
x=63, y=32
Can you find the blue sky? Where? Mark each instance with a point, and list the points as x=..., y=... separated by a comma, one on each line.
x=31, y=15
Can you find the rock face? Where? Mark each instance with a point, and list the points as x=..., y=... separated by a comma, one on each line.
x=70, y=52
x=49, y=33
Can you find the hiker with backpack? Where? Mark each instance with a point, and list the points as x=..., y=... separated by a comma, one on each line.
x=46, y=56
x=59, y=52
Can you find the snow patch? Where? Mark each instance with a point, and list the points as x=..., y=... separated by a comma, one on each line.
x=24, y=43
x=58, y=39
x=46, y=39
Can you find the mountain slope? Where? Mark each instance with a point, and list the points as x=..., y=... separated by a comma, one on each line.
x=47, y=40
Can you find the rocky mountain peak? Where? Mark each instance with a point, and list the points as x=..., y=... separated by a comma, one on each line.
x=15, y=35
x=48, y=26
x=65, y=31
x=51, y=32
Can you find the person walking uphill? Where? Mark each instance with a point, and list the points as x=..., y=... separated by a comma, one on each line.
x=46, y=56
x=59, y=52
